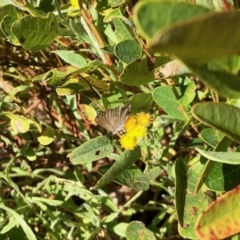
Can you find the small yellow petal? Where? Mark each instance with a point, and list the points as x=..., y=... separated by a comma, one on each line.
x=74, y=3
x=128, y=142
x=138, y=132
x=143, y=119
x=73, y=10
x=141, y=131
x=130, y=123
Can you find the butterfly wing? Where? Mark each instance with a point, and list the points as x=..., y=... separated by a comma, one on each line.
x=117, y=117
x=102, y=119
x=123, y=114
x=113, y=119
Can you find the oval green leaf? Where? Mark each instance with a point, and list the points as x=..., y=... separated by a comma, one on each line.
x=148, y=176
x=126, y=159
x=151, y=16
x=137, y=230
x=141, y=100
x=92, y=150
x=36, y=33
x=188, y=204
x=18, y=123
x=220, y=116
x=223, y=177
x=127, y=177
x=195, y=41
x=72, y=58
x=166, y=99
x=128, y=51
x=46, y=137
x=139, y=72
x=223, y=157
x=211, y=136
x=189, y=93
x=216, y=76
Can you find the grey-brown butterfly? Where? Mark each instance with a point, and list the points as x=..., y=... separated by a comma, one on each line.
x=113, y=119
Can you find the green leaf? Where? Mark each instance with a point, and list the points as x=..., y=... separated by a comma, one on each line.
x=113, y=13
x=113, y=40
x=19, y=219
x=13, y=233
x=92, y=150
x=126, y=159
x=36, y=12
x=51, y=202
x=74, y=85
x=181, y=183
x=69, y=186
x=46, y=137
x=55, y=75
x=228, y=63
x=222, y=145
x=225, y=118
x=141, y=100
x=30, y=154
x=10, y=12
x=36, y=33
x=211, y=136
x=79, y=31
x=148, y=176
x=223, y=157
x=166, y=99
x=188, y=204
x=137, y=230
x=117, y=228
x=108, y=49
x=139, y=72
x=189, y=94
x=151, y=16
x=122, y=30
x=116, y=3
x=18, y=123
x=188, y=232
x=22, y=90
x=180, y=39
x=127, y=177
x=6, y=24
x=10, y=9
x=128, y=51
x=223, y=177
x=71, y=58
x=216, y=75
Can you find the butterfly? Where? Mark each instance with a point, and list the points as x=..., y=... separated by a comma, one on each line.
x=113, y=119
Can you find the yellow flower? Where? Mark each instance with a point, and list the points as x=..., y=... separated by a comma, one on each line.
x=74, y=3
x=143, y=119
x=135, y=128
x=141, y=131
x=74, y=8
x=128, y=142
x=138, y=132
x=130, y=123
